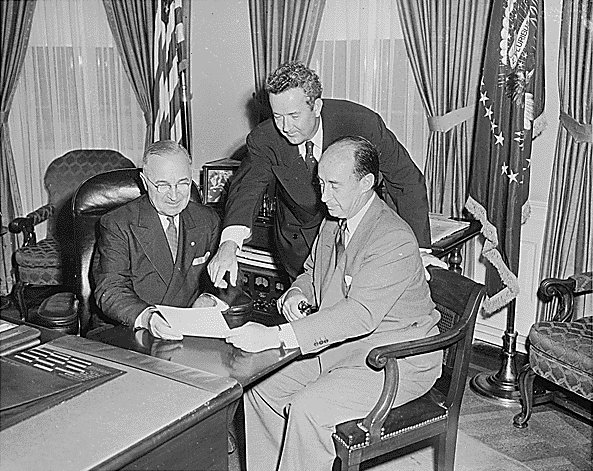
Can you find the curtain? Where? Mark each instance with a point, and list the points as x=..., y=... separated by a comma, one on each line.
x=73, y=93
x=132, y=26
x=281, y=31
x=360, y=56
x=568, y=236
x=16, y=18
x=445, y=41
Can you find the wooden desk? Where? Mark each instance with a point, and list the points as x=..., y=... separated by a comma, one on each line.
x=206, y=354
x=154, y=416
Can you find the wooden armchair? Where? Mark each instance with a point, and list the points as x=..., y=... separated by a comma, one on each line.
x=436, y=414
x=48, y=262
x=561, y=352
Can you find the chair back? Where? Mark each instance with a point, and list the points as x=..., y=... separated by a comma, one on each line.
x=66, y=173
x=458, y=300
x=94, y=198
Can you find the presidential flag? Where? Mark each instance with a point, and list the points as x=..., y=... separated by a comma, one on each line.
x=511, y=97
x=168, y=50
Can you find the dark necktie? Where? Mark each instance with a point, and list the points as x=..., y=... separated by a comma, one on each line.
x=172, y=236
x=340, y=239
x=310, y=161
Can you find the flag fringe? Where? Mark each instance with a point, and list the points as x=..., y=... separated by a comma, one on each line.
x=491, y=253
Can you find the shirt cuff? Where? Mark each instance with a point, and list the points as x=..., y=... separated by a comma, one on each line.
x=237, y=234
x=422, y=250
x=142, y=320
x=287, y=336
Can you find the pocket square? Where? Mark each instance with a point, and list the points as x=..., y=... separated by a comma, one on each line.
x=200, y=260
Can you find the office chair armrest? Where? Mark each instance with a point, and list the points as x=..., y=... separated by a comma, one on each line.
x=27, y=224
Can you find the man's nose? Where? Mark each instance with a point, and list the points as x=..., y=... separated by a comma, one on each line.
x=286, y=124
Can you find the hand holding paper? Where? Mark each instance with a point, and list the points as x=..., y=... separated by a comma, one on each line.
x=254, y=337
x=206, y=321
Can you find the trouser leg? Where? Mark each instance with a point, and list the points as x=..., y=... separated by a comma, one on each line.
x=265, y=412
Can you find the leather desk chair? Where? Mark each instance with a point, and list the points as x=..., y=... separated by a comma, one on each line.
x=97, y=196
x=48, y=262
x=436, y=414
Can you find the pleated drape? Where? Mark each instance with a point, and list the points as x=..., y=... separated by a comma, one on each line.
x=568, y=237
x=14, y=37
x=445, y=42
x=281, y=31
x=132, y=26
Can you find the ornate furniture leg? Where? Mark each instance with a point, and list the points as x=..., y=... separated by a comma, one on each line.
x=526, y=377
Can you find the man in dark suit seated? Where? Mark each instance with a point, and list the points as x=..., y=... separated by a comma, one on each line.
x=153, y=250
x=366, y=280
x=284, y=151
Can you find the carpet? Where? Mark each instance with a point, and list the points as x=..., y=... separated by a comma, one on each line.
x=471, y=455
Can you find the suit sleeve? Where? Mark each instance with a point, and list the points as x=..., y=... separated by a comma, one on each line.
x=386, y=272
x=249, y=183
x=404, y=182
x=114, y=292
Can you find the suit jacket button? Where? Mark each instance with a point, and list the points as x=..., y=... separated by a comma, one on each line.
x=295, y=236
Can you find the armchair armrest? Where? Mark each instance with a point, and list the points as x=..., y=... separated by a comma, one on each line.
x=565, y=290
x=27, y=224
x=385, y=357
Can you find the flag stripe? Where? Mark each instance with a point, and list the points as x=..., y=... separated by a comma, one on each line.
x=168, y=42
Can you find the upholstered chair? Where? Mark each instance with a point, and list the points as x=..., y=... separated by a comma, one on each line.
x=561, y=351
x=48, y=262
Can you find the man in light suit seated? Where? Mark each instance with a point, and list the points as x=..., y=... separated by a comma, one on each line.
x=154, y=249
x=371, y=292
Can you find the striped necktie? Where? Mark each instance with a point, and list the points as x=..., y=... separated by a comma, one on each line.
x=341, y=239
x=172, y=236
x=310, y=161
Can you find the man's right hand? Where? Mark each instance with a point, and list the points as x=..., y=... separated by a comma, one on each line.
x=288, y=304
x=225, y=260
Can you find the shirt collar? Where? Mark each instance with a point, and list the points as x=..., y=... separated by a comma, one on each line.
x=165, y=221
x=317, y=141
x=353, y=222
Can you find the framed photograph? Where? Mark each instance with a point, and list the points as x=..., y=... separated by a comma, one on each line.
x=216, y=177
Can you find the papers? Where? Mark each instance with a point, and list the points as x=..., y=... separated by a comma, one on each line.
x=441, y=226
x=197, y=321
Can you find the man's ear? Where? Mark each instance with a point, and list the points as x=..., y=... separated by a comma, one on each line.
x=142, y=179
x=367, y=182
x=317, y=105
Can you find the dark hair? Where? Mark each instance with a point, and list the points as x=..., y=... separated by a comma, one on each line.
x=366, y=156
x=295, y=75
x=162, y=148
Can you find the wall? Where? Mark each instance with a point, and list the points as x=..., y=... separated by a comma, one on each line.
x=221, y=78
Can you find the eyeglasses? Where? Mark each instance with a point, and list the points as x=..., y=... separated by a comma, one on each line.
x=163, y=188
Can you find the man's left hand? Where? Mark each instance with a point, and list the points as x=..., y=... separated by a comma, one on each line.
x=429, y=259
x=254, y=337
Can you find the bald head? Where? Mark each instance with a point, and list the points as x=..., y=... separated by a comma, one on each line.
x=347, y=173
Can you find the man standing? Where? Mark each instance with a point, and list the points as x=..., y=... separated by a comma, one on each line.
x=366, y=280
x=153, y=250
x=284, y=151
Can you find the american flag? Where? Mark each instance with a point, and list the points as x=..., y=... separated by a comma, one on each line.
x=168, y=51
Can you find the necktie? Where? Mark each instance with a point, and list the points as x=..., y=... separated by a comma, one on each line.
x=310, y=161
x=172, y=236
x=341, y=239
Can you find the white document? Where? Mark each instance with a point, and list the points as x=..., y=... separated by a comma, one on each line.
x=197, y=321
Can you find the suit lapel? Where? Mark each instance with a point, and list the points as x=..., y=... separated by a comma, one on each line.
x=151, y=236
x=190, y=240
x=330, y=277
